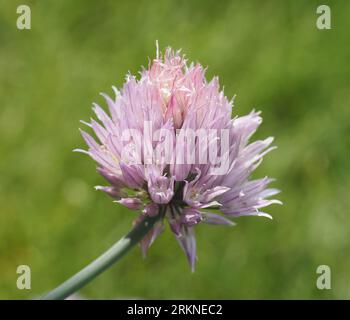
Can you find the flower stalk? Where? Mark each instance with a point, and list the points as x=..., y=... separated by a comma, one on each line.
x=104, y=261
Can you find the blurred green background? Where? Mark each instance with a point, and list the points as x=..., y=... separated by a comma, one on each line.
x=268, y=53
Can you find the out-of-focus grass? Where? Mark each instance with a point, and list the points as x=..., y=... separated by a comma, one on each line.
x=270, y=54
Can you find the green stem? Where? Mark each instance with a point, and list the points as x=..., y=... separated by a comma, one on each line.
x=103, y=262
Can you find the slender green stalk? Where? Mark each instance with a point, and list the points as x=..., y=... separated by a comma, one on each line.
x=103, y=262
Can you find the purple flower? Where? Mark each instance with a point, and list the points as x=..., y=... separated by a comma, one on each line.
x=151, y=210
x=169, y=142
x=190, y=217
x=161, y=189
x=131, y=203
